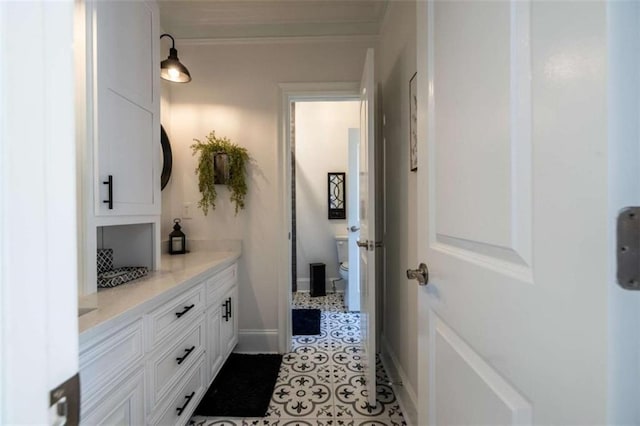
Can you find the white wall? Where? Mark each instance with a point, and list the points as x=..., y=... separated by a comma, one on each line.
x=322, y=139
x=235, y=92
x=167, y=194
x=396, y=64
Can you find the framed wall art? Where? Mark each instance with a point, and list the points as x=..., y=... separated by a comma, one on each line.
x=336, y=194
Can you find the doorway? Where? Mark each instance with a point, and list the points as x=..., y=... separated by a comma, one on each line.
x=292, y=95
x=320, y=198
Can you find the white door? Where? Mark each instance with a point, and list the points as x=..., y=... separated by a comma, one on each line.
x=38, y=253
x=512, y=187
x=352, y=291
x=367, y=228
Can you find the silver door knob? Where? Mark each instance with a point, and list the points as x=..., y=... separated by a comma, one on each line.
x=364, y=243
x=354, y=228
x=421, y=274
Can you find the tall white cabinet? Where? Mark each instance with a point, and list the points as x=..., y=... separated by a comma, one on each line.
x=127, y=73
x=118, y=89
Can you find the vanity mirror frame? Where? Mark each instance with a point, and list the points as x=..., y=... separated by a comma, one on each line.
x=167, y=158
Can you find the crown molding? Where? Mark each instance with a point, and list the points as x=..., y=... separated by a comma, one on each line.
x=372, y=39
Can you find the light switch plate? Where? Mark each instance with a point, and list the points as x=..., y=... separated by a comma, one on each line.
x=187, y=210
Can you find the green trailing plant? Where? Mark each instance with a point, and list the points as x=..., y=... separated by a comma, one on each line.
x=238, y=159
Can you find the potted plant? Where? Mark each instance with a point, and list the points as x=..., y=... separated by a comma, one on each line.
x=236, y=158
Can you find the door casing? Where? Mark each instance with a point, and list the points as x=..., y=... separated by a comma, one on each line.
x=288, y=93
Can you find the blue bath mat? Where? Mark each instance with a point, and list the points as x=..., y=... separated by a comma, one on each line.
x=306, y=322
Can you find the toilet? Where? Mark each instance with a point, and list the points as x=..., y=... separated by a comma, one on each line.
x=342, y=243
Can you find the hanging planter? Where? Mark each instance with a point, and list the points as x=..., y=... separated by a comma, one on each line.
x=220, y=162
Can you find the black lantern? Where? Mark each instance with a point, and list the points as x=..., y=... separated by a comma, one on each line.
x=177, y=239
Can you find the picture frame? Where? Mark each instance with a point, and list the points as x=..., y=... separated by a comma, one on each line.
x=413, y=123
x=337, y=204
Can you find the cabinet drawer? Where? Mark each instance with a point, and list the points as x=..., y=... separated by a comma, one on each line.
x=220, y=282
x=178, y=313
x=167, y=368
x=178, y=407
x=123, y=405
x=104, y=360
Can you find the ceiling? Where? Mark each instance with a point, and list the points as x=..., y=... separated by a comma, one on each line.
x=236, y=19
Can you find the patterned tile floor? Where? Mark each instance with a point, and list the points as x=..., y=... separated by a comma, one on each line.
x=321, y=381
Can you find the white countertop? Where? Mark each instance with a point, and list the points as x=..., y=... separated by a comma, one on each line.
x=177, y=273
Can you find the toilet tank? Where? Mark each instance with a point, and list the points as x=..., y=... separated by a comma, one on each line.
x=342, y=243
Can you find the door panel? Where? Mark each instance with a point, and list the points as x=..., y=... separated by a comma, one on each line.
x=128, y=139
x=481, y=188
x=352, y=301
x=367, y=227
x=512, y=133
x=464, y=379
x=38, y=224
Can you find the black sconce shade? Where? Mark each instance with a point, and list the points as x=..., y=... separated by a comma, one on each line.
x=171, y=69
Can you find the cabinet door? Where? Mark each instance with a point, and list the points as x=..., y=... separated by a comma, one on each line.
x=127, y=107
x=229, y=321
x=124, y=405
x=214, y=352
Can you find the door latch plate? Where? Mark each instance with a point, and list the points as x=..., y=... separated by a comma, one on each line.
x=628, y=248
x=64, y=402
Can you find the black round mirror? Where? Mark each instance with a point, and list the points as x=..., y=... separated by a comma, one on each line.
x=167, y=158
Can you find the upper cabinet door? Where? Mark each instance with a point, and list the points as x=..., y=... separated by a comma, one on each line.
x=126, y=73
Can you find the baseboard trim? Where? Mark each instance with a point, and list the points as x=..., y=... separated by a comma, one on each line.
x=405, y=393
x=257, y=341
x=304, y=284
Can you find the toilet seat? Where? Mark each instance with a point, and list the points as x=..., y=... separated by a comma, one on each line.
x=344, y=266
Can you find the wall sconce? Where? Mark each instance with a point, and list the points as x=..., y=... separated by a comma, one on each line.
x=337, y=207
x=171, y=69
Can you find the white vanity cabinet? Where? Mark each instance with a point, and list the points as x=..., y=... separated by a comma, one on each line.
x=176, y=343
x=214, y=351
x=221, y=318
x=152, y=364
x=229, y=321
x=112, y=377
x=123, y=405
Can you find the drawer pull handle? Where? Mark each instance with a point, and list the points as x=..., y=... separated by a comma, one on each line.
x=109, y=199
x=186, y=309
x=187, y=353
x=181, y=409
x=230, y=313
x=226, y=311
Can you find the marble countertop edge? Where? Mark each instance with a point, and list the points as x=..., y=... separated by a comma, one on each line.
x=127, y=301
